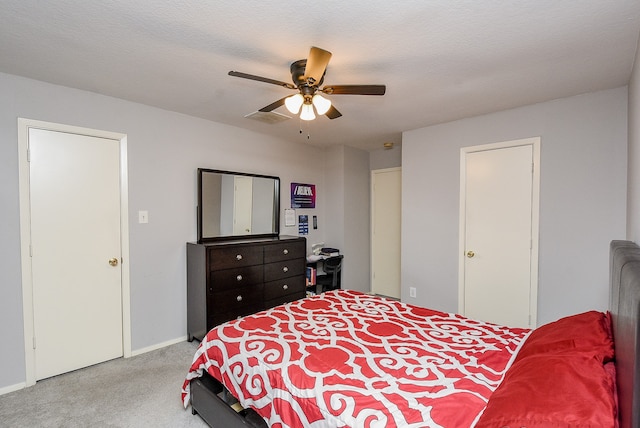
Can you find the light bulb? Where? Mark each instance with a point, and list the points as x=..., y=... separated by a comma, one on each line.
x=307, y=112
x=321, y=104
x=294, y=102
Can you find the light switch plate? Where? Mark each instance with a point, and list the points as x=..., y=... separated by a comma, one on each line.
x=143, y=217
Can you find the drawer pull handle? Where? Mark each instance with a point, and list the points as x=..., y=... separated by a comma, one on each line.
x=239, y=298
x=285, y=269
x=285, y=287
x=285, y=251
x=239, y=277
x=238, y=256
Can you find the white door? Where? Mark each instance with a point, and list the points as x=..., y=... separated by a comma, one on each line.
x=242, y=205
x=497, y=261
x=74, y=185
x=386, y=189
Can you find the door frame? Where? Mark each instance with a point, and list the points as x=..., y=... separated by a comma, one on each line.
x=25, y=233
x=374, y=172
x=535, y=219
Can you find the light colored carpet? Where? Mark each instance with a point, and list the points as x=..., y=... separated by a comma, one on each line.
x=142, y=391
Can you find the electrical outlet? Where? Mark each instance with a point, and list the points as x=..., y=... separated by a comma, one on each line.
x=412, y=291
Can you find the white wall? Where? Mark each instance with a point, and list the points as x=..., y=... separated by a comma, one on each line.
x=582, y=199
x=633, y=178
x=334, y=208
x=386, y=158
x=357, y=234
x=164, y=150
x=347, y=211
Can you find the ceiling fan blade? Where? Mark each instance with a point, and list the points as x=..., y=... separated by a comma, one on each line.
x=274, y=105
x=261, y=79
x=333, y=113
x=316, y=64
x=355, y=90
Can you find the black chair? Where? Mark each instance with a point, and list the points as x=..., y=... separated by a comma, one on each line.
x=331, y=279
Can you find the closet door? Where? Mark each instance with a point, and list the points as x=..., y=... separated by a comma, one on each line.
x=76, y=250
x=497, y=264
x=386, y=192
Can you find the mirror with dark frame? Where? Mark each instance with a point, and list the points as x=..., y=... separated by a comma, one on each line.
x=235, y=205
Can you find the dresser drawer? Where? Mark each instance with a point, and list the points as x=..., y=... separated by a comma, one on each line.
x=216, y=317
x=284, y=251
x=284, y=286
x=284, y=269
x=236, y=299
x=235, y=256
x=233, y=278
x=283, y=299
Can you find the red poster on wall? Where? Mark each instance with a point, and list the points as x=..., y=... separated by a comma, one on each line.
x=303, y=195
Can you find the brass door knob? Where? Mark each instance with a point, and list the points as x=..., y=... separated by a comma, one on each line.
x=113, y=261
x=470, y=254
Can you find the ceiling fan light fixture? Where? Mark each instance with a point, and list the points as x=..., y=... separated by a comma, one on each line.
x=307, y=112
x=308, y=76
x=294, y=102
x=321, y=104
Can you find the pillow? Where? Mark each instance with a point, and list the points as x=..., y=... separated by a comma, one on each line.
x=610, y=369
x=552, y=390
x=588, y=332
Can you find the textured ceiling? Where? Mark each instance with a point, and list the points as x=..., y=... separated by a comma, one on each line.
x=441, y=60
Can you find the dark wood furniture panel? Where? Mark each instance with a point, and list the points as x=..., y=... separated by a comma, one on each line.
x=278, y=301
x=284, y=269
x=283, y=287
x=284, y=251
x=218, y=317
x=236, y=299
x=212, y=401
x=225, y=257
x=232, y=279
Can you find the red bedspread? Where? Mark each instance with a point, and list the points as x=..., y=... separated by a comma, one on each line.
x=345, y=358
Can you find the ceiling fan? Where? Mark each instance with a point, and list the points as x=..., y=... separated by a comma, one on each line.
x=308, y=75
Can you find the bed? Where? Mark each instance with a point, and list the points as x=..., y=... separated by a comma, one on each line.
x=351, y=359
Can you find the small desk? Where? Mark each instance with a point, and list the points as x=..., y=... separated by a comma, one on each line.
x=316, y=262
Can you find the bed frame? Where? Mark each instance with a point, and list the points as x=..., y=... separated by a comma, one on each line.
x=624, y=304
x=213, y=402
x=215, y=405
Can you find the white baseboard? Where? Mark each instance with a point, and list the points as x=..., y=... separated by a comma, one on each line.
x=158, y=346
x=12, y=388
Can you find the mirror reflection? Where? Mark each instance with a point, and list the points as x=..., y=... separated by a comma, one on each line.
x=235, y=204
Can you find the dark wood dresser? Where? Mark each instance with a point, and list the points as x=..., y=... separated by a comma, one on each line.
x=227, y=280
